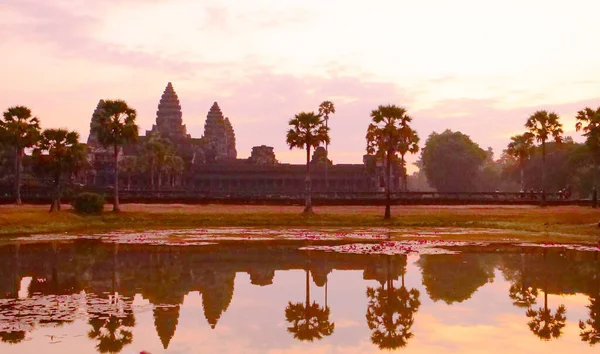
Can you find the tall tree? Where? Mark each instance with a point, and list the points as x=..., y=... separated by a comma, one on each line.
x=114, y=124
x=174, y=167
x=521, y=147
x=160, y=150
x=408, y=143
x=384, y=136
x=129, y=165
x=325, y=109
x=61, y=155
x=308, y=131
x=19, y=130
x=452, y=161
x=588, y=120
x=544, y=126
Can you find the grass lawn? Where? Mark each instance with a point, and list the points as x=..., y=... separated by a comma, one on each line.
x=551, y=224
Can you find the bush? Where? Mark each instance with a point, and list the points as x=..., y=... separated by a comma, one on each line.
x=89, y=203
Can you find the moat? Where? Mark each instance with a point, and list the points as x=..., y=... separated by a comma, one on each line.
x=84, y=295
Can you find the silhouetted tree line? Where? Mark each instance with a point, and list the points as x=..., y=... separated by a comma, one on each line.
x=537, y=161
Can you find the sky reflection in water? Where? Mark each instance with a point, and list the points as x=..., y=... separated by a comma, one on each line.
x=89, y=296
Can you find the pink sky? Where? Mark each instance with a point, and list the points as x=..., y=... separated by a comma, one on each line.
x=473, y=66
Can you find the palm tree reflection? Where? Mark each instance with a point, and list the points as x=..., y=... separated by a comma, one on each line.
x=112, y=332
x=545, y=325
x=308, y=321
x=590, y=329
x=522, y=294
x=542, y=323
x=390, y=313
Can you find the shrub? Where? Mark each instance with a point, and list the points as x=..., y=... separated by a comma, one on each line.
x=89, y=203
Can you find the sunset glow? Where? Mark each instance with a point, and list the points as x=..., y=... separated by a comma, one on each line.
x=478, y=67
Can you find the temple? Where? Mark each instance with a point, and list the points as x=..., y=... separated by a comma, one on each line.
x=211, y=163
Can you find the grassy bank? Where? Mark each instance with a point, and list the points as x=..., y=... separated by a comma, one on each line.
x=565, y=223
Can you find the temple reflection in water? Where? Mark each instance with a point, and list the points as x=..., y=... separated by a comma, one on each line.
x=57, y=284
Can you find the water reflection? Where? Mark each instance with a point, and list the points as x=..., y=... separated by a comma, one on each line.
x=95, y=284
x=454, y=278
x=590, y=328
x=390, y=313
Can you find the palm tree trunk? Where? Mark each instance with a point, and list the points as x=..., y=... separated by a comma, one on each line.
x=116, y=207
x=159, y=178
x=594, y=190
x=388, y=213
x=404, y=177
x=543, y=203
x=152, y=175
x=389, y=276
x=308, y=202
x=55, y=206
x=18, y=168
x=594, y=172
x=307, y=289
x=522, y=177
x=326, y=281
x=326, y=161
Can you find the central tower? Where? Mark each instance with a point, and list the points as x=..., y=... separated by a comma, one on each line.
x=169, y=122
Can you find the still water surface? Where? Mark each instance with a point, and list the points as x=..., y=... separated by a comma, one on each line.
x=87, y=296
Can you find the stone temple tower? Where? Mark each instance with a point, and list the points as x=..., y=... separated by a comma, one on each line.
x=93, y=138
x=219, y=136
x=169, y=122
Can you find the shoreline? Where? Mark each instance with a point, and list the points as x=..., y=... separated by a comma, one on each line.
x=550, y=224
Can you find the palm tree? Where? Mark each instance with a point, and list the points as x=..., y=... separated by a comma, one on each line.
x=309, y=321
x=520, y=147
x=390, y=313
x=386, y=134
x=174, y=167
x=114, y=124
x=325, y=109
x=408, y=143
x=19, y=130
x=588, y=120
x=158, y=151
x=543, y=126
x=307, y=132
x=60, y=153
x=129, y=164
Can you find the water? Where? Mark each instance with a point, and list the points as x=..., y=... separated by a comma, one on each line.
x=87, y=296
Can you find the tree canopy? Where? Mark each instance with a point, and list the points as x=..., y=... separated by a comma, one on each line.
x=19, y=130
x=452, y=161
x=60, y=154
x=307, y=131
x=113, y=123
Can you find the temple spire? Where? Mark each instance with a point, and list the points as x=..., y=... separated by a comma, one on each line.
x=219, y=135
x=169, y=121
